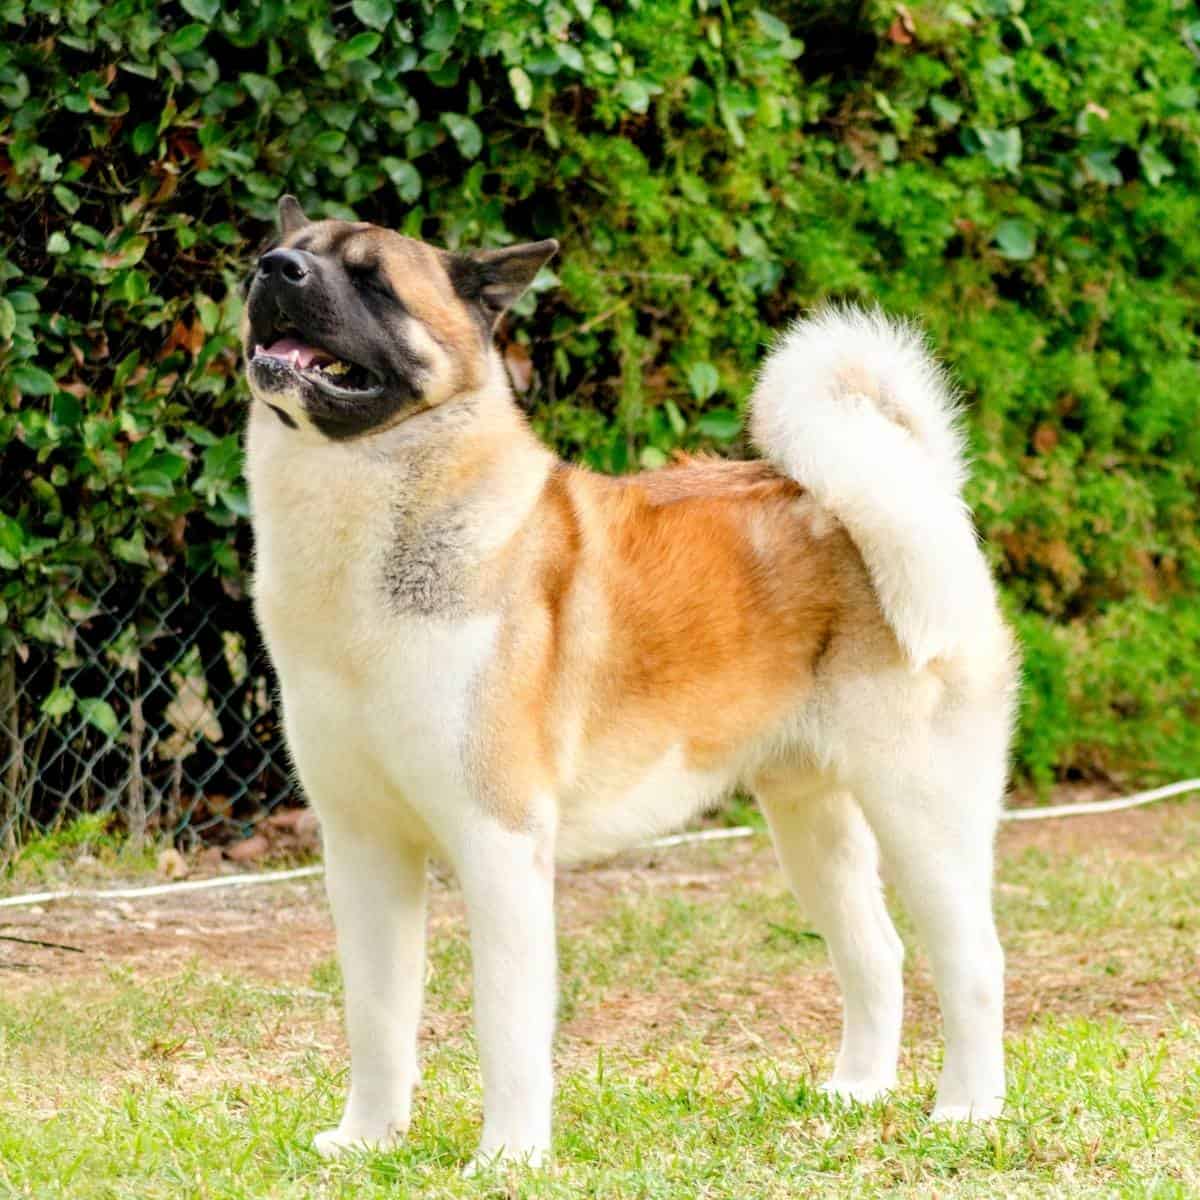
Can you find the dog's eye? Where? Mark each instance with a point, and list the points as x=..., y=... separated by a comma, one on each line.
x=372, y=279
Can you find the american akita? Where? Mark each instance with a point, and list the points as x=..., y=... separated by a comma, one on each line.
x=491, y=656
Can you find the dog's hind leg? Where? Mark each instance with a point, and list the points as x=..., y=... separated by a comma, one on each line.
x=830, y=858
x=936, y=828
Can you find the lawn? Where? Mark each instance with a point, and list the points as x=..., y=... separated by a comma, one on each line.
x=195, y=1046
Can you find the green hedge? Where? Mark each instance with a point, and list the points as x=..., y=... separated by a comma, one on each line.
x=1023, y=179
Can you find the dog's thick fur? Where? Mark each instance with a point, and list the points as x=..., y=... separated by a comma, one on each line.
x=491, y=656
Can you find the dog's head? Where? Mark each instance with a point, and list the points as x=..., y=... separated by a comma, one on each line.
x=350, y=328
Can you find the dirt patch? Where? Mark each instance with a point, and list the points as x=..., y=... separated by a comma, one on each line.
x=1165, y=829
x=277, y=933
x=280, y=935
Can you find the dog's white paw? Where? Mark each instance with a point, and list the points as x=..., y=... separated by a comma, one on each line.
x=333, y=1143
x=982, y=1110
x=857, y=1091
x=484, y=1162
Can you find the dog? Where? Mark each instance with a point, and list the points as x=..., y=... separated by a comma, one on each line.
x=487, y=655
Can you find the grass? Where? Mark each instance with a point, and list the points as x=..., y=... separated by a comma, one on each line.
x=697, y=1020
x=52, y=856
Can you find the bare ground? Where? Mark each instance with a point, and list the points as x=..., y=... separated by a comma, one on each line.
x=279, y=936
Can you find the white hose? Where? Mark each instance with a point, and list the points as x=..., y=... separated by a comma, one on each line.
x=678, y=839
x=1102, y=806
x=162, y=889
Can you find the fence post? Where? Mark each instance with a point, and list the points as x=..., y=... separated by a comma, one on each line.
x=136, y=816
x=10, y=784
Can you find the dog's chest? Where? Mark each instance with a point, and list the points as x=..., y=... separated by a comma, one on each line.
x=376, y=694
x=377, y=718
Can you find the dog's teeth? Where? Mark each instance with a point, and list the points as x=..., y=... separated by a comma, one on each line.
x=337, y=367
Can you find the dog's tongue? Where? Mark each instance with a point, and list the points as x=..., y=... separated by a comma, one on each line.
x=294, y=351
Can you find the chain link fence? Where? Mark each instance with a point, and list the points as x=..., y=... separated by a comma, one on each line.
x=151, y=703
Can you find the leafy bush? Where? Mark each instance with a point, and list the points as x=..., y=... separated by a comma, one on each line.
x=1023, y=180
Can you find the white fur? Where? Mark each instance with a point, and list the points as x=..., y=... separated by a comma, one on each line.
x=831, y=860
x=508, y=883
x=377, y=892
x=927, y=771
x=894, y=484
x=608, y=812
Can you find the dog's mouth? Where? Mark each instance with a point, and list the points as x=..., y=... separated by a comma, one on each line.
x=332, y=375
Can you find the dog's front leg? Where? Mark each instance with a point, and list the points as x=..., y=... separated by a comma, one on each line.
x=377, y=893
x=508, y=882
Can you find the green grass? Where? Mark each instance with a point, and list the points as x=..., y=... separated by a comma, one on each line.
x=697, y=1022
x=52, y=856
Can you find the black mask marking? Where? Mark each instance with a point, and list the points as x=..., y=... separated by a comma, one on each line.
x=353, y=319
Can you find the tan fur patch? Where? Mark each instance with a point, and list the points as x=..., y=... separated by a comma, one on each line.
x=709, y=595
x=854, y=380
x=857, y=381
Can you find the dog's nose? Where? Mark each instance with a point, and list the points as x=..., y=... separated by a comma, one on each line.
x=287, y=266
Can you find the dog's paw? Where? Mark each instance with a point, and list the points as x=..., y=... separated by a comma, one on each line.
x=333, y=1143
x=857, y=1091
x=982, y=1110
x=484, y=1163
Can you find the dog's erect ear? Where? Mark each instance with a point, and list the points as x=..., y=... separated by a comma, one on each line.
x=495, y=279
x=291, y=215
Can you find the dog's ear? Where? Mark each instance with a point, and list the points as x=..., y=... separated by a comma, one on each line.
x=493, y=280
x=291, y=215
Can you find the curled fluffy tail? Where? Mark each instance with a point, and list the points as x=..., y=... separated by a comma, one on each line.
x=853, y=407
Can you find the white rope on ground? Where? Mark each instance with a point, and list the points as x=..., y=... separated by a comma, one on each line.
x=162, y=889
x=699, y=835
x=1101, y=806
x=678, y=839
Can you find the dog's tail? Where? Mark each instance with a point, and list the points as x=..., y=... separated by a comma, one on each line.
x=854, y=408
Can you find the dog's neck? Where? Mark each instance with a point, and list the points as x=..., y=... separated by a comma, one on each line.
x=429, y=502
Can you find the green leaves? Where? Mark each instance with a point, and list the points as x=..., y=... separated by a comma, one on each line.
x=945, y=110
x=328, y=143
x=362, y=45
x=159, y=474
x=59, y=703
x=144, y=137
x=467, y=135
x=1022, y=182
x=202, y=10
x=703, y=380
x=32, y=381
x=1101, y=166
x=440, y=34
x=1016, y=239
x=720, y=423
x=127, y=253
x=1155, y=165
x=375, y=13
x=102, y=715
x=1002, y=147
x=634, y=94
x=14, y=86
x=778, y=33
x=521, y=85
x=404, y=176
x=187, y=39
x=12, y=543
